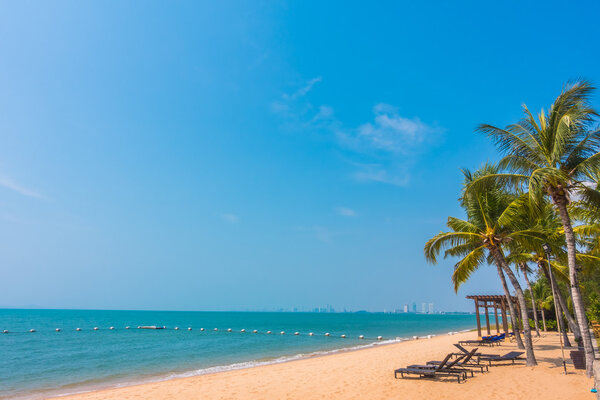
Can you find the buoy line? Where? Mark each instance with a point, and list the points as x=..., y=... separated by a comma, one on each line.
x=228, y=330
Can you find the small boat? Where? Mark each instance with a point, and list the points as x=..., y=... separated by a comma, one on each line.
x=151, y=327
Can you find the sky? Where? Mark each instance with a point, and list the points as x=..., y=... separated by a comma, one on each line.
x=249, y=155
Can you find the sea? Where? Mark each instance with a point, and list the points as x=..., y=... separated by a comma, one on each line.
x=48, y=362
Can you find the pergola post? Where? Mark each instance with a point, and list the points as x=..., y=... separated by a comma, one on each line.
x=504, y=317
x=487, y=319
x=477, y=316
x=496, y=316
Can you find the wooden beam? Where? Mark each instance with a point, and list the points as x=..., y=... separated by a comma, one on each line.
x=487, y=319
x=477, y=316
x=496, y=316
x=504, y=318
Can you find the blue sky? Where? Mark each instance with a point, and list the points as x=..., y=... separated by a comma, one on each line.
x=257, y=155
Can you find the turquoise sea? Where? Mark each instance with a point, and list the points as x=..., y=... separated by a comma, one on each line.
x=48, y=363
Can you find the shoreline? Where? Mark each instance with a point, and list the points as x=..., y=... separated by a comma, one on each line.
x=218, y=369
x=363, y=373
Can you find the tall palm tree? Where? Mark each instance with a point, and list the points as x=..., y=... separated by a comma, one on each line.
x=552, y=156
x=492, y=222
x=525, y=269
x=543, y=299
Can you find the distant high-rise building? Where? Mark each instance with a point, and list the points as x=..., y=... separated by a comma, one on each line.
x=406, y=308
x=424, y=308
x=430, y=308
x=414, y=308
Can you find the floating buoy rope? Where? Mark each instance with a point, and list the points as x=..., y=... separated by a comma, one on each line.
x=326, y=334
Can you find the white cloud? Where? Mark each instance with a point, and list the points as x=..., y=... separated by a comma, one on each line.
x=388, y=145
x=392, y=132
x=8, y=183
x=346, y=212
x=377, y=173
x=303, y=90
x=231, y=218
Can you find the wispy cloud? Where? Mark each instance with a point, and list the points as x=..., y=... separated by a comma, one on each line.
x=392, y=132
x=9, y=183
x=303, y=90
x=345, y=212
x=391, y=174
x=379, y=141
x=230, y=218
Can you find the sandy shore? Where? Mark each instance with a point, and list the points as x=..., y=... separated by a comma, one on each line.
x=368, y=374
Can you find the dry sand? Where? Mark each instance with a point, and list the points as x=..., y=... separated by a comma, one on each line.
x=368, y=374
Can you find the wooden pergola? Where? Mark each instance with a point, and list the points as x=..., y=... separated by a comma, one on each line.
x=497, y=302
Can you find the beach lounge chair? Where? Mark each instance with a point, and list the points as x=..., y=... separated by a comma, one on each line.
x=511, y=356
x=464, y=351
x=484, y=341
x=427, y=371
x=466, y=362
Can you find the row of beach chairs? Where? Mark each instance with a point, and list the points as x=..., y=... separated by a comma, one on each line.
x=485, y=340
x=458, y=365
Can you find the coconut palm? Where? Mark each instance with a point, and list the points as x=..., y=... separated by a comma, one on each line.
x=493, y=221
x=543, y=299
x=552, y=156
x=526, y=271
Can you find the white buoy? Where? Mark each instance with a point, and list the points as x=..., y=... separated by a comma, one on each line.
x=189, y=329
x=379, y=337
x=176, y=328
x=229, y=330
x=361, y=337
x=95, y=328
x=296, y=333
x=243, y=330
x=216, y=329
x=343, y=336
x=255, y=331
x=282, y=332
x=127, y=327
x=57, y=329
x=77, y=329
x=139, y=327
x=202, y=329
x=32, y=330
x=5, y=331
x=311, y=334
x=327, y=334
x=268, y=332
x=112, y=328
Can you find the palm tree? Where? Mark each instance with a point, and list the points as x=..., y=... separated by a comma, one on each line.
x=552, y=156
x=525, y=269
x=492, y=222
x=543, y=298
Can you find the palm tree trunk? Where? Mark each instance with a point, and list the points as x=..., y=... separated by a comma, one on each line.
x=535, y=317
x=531, y=361
x=511, y=309
x=563, y=328
x=543, y=318
x=560, y=201
x=573, y=327
x=499, y=258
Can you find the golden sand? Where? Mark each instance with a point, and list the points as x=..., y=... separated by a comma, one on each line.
x=369, y=374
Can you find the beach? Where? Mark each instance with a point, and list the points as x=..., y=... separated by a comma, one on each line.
x=368, y=374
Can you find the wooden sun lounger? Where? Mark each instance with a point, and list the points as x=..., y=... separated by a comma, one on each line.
x=440, y=370
x=466, y=362
x=511, y=356
x=465, y=352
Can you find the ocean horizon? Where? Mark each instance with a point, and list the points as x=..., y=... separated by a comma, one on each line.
x=48, y=362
